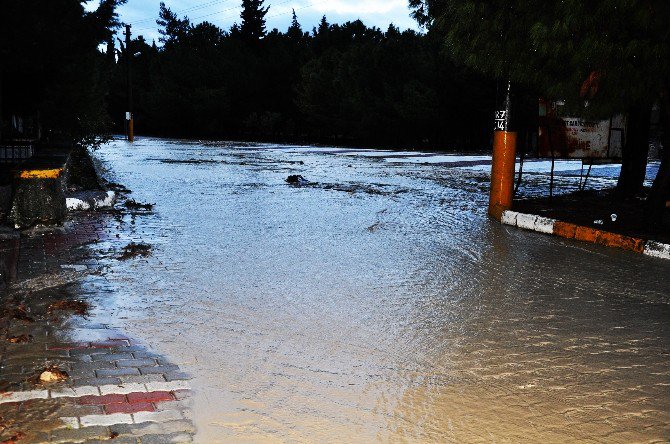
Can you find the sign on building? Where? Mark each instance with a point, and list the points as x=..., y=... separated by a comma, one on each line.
x=564, y=137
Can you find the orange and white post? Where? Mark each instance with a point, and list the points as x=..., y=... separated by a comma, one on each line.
x=504, y=158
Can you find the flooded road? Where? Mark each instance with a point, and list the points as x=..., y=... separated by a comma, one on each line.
x=379, y=303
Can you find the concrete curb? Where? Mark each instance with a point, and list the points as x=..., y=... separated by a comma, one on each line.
x=567, y=230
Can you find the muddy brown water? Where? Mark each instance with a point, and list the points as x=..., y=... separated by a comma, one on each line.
x=380, y=303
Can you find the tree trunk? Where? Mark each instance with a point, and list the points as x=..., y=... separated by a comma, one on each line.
x=635, y=153
x=660, y=190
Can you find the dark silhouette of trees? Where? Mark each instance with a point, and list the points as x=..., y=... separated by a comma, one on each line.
x=341, y=83
x=253, y=20
x=51, y=69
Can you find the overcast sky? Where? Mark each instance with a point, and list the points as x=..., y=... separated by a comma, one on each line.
x=142, y=14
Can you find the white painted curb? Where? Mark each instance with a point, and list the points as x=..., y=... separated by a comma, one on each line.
x=546, y=225
x=657, y=249
x=528, y=222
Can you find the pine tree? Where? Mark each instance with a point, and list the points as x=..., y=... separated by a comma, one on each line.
x=295, y=30
x=253, y=20
x=174, y=28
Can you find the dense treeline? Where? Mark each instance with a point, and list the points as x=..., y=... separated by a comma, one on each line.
x=347, y=84
x=52, y=75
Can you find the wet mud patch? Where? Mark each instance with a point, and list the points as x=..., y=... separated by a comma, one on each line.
x=186, y=161
x=19, y=313
x=133, y=250
x=13, y=438
x=117, y=187
x=364, y=188
x=20, y=339
x=132, y=204
x=80, y=308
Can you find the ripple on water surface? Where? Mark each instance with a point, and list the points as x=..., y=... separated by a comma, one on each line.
x=381, y=303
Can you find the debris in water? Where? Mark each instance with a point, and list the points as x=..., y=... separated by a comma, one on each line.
x=614, y=217
x=53, y=374
x=18, y=436
x=297, y=179
x=133, y=250
x=78, y=307
x=374, y=227
x=598, y=222
x=134, y=205
x=20, y=339
x=117, y=187
x=21, y=314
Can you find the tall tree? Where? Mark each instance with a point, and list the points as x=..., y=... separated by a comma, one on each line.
x=554, y=47
x=51, y=66
x=173, y=28
x=295, y=30
x=253, y=20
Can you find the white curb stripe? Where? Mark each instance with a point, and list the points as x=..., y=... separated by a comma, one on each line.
x=23, y=396
x=657, y=249
x=509, y=218
x=121, y=418
x=546, y=225
x=528, y=222
x=77, y=392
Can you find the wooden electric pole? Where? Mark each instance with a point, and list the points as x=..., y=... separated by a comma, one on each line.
x=129, y=89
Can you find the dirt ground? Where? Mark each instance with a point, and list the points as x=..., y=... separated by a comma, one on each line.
x=589, y=207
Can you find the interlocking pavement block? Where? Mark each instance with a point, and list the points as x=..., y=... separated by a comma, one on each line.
x=75, y=392
x=79, y=435
x=158, y=369
x=144, y=362
x=150, y=396
x=123, y=388
x=97, y=382
x=177, y=376
x=102, y=400
x=167, y=386
x=23, y=396
x=149, y=428
x=163, y=416
x=127, y=407
x=142, y=379
x=106, y=420
x=117, y=372
x=111, y=357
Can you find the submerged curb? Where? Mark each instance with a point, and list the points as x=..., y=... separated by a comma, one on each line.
x=567, y=230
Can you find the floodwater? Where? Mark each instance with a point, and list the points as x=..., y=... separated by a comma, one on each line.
x=380, y=303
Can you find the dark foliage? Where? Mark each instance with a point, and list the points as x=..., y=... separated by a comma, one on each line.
x=346, y=84
x=50, y=67
x=602, y=56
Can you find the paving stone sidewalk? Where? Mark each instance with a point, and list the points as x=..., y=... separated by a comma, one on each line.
x=115, y=389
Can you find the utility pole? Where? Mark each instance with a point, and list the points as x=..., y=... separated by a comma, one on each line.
x=129, y=89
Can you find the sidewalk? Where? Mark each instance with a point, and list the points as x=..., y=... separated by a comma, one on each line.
x=106, y=385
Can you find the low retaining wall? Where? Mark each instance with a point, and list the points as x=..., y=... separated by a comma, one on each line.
x=587, y=234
